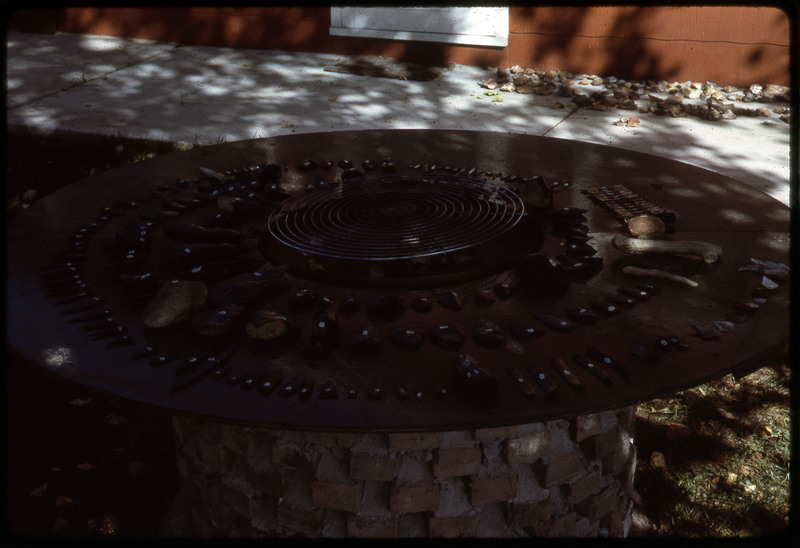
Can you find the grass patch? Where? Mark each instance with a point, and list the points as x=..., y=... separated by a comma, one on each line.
x=726, y=445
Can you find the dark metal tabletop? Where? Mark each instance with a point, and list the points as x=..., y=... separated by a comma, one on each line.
x=517, y=378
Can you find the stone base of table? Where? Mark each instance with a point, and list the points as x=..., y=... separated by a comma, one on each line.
x=558, y=478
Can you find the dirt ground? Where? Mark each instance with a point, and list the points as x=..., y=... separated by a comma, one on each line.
x=715, y=460
x=81, y=463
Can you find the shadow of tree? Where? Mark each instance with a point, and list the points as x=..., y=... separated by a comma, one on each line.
x=623, y=49
x=659, y=42
x=198, y=94
x=628, y=41
x=84, y=463
x=299, y=28
x=724, y=448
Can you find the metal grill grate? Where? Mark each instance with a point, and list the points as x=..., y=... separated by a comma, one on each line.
x=396, y=217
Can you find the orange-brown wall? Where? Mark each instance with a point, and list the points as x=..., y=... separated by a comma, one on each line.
x=284, y=28
x=736, y=45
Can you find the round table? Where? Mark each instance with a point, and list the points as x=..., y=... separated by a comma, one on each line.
x=391, y=388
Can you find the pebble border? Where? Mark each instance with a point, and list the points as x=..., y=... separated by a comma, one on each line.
x=708, y=101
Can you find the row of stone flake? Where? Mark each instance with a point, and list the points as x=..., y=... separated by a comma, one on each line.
x=558, y=478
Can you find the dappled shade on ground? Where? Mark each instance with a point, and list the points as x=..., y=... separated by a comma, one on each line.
x=714, y=460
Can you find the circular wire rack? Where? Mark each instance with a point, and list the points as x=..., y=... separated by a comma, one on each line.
x=394, y=217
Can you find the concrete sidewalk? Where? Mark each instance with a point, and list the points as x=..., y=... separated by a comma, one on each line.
x=207, y=95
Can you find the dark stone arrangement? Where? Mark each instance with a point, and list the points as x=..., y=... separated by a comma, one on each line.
x=392, y=294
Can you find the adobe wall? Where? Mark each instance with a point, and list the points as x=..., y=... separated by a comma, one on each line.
x=735, y=45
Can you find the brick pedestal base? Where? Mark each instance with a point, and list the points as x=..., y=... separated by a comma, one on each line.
x=559, y=478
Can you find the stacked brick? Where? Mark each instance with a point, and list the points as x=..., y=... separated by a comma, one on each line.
x=559, y=478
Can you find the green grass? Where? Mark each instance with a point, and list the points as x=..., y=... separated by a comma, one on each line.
x=726, y=445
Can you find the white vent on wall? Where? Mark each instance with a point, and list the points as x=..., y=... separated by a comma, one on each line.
x=469, y=26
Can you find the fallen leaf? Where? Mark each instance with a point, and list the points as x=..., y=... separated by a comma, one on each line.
x=657, y=460
x=633, y=121
x=115, y=420
x=284, y=126
x=63, y=499
x=750, y=488
x=727, y=414
x=39, y=490
x=85, y=466
x=79, y=402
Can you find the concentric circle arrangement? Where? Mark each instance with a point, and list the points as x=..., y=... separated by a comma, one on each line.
x=387, y=218
x=414, y=300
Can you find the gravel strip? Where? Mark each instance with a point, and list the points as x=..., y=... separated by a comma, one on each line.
x=708, y=101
